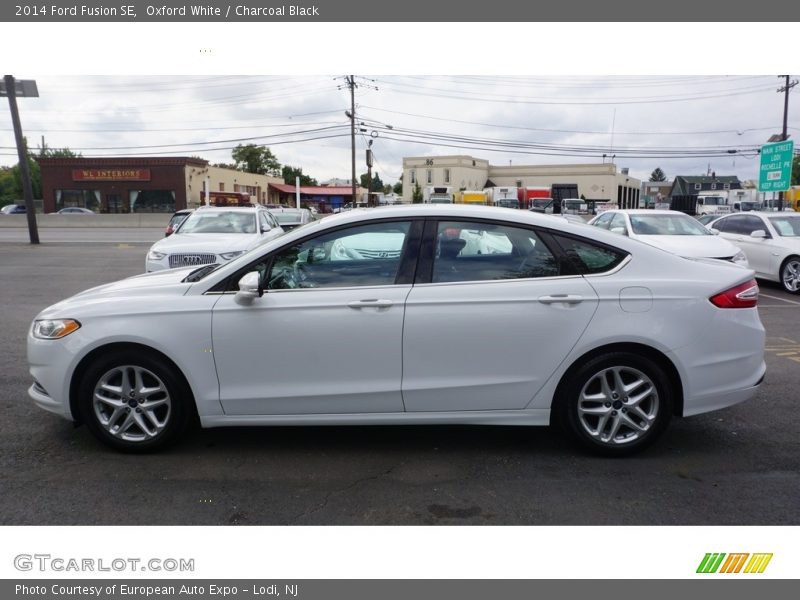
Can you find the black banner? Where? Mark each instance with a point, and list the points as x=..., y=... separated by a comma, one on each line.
x=409, y=11
x=401, y=589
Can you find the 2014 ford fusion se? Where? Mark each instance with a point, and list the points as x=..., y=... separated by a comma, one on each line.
x=425, y=314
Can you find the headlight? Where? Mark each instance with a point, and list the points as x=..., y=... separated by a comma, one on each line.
x=54, y=329
x=154, y=255
x=740, y=259
x=230, y=255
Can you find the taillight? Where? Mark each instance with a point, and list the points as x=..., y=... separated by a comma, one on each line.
x=744, y=295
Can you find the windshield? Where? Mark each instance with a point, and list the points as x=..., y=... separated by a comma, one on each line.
x=288, y=217
x=786, y=226
x=713, y=200
x=219, y=222
x=667, y=225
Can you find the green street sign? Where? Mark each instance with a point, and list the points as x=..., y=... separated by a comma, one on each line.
x=775, y=172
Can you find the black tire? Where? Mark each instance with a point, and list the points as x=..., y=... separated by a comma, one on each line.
x=789, y=269
x=580, y=411
x=171, y=406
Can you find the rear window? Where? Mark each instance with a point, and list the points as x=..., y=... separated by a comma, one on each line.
x=590, y=257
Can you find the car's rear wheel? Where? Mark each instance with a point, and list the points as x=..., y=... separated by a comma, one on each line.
x=133, y=403
x=616, y=404
x=790, y=275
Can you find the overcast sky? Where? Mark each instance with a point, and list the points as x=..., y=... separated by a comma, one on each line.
x=683, y=124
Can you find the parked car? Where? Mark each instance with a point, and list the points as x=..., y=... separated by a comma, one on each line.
x=672, y=231
x=289, y=217
x=178, y=217
x=14, y=209
x=605, y=336
x=705, y=220
x=213, y=235
x=74, y=210
x=771, y=242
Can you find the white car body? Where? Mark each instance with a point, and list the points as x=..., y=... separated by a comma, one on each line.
x=706, y=245
x=184, y=248
x=411, y=352
x=776, y=254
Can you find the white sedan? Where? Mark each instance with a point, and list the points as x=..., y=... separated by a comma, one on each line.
x=607, y=337
x=672, y=231
x=213, y=235
x=771, y=241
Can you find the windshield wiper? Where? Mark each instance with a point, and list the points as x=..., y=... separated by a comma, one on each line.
x=199, y=273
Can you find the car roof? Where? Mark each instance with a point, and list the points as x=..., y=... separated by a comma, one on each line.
x=230, y=208
x=645, y=211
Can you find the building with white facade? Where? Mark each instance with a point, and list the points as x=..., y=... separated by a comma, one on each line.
x=596, y=182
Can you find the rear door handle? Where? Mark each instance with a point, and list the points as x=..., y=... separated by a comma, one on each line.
x=370, y=303
x=561, y=299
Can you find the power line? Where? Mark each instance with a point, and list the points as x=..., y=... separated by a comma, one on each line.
x=587, y=132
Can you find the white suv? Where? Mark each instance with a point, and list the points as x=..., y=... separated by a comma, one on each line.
x=213, y=235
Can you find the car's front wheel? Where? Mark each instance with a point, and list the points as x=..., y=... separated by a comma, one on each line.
x=615, y=404
x=132, y=402
x=790, y=275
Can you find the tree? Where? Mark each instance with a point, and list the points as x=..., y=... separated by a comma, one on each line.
x=8, y=192
x=398, y=188
x=416, y=195
x=290, y=174
x=256, y=159
x=35, y=171
x=658, y=175
x=796, y=170
x=377, y=184
x=225, y=165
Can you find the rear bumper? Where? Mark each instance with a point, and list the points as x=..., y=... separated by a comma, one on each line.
x=716, y=401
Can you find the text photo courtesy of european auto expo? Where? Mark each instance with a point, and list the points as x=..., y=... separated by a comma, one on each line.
x=384, y=300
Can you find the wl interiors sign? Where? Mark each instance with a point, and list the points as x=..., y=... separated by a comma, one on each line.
x=111, y=175
x=775, y=172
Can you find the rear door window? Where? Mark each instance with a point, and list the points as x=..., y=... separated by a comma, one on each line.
x=472, y=251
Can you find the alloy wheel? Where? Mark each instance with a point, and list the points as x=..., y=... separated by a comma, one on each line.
x=618, y=405
x=132, y=403
x=790, y=275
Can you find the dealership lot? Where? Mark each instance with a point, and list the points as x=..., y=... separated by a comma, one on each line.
x=736, y=466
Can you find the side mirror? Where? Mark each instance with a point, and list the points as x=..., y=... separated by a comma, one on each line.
x=619, y=230
x=759, y=234
x=249, y=289
x=714, y=231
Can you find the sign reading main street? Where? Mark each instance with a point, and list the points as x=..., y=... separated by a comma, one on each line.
x=775, y=172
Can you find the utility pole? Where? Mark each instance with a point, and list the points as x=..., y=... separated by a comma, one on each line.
x=351, y=82
x=369, y=172
x=784, y=133
x=28, y=89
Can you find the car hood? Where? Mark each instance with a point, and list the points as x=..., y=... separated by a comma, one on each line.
x=692, y=246
x=215, y=243
x=161, y=283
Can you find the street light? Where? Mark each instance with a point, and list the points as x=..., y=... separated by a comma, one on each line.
x=24, y=88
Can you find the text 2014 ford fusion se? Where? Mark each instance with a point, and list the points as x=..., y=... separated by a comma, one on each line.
x=409, y=315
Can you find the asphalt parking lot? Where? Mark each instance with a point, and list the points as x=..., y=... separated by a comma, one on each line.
x=739, y=466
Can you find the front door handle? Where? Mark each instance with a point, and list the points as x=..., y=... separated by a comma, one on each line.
x=372, y=303
x=561, y=299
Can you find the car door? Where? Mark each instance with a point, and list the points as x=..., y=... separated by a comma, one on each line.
x=326, y=336
x=737, y=229
x=492, y=314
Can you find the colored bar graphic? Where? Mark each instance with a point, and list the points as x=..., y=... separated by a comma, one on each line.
x=710, y=562
x=734, y=562
x=758, y=563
